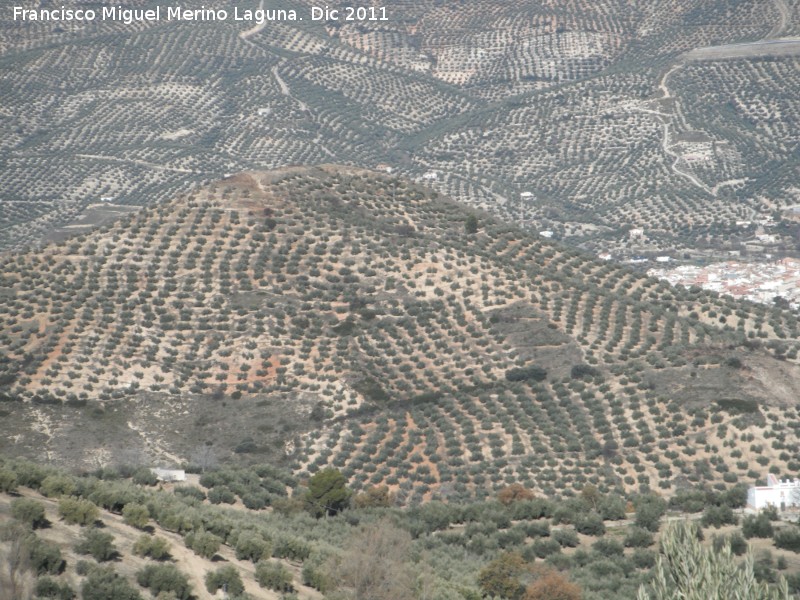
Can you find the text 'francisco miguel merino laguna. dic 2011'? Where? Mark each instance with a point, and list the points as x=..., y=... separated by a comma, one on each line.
x=203, y=14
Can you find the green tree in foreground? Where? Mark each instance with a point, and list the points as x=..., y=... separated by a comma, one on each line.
x=685, y=570
x=327, y=493
x=471, y=224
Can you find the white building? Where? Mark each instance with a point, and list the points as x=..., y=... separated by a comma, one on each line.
x=169, y=474
x=778, y=493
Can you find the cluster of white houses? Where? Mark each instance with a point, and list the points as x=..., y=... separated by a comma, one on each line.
x=781, y=494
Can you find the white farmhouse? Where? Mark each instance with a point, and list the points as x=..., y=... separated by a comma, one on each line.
x=778, y=493
x=169, y=474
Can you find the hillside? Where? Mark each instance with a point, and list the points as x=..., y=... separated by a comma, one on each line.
x=582, y=118
x=331, y=316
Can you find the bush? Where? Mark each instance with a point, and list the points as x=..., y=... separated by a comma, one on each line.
x=145, y=476
x=221, y=495
x=190, y=491
x=203, y=543
x=99, y=544
x=8, y=481
x=47, y=587
x=643, y=559
x=649, y=510
x=788, y=539
x=590, y=524
x=552, y=586
x=151, y=546
x=545, y=547
x=514, y=493
x=274, y=576
x=76, y=511
x=136, y=515
x=638, y=538
x=252, y=546
x=226, y=577
x=531, y=373
x=164, y=578
x=717, y=516
x=566, y=537
x=45, y=557
x=102, y=583
x=57, y=485
x=501, y=577
x=29, y=512
x=757, y=526
x=605, y=547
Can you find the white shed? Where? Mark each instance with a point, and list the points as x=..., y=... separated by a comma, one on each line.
x=781, y=494
x=169, y=474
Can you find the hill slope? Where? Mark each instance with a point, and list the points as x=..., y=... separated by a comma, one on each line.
x=334, y=316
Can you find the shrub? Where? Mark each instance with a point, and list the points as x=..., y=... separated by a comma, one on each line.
x=649, y=510
x=717, y=516
x=136, y=515
x=151, y=546
x=99, y=544
x=515, y=492
x=643, y=559
x=145, y=476
x=29, y=512
x=638, y=538
x=8, y=481
x=226, y=577
x=57, y=485
x=45, y=557
x=590, y=524
x=606, y=547
x=221, y=495
x=78, y=511
x=544, y=547
x=102, y=583
x=190, y=491
x=531, y=373
x=374, y=496
x=47, y=587
x=552, y=586
x=788, y=539
x=274, y=576
x=203, y=543
x=501, y=577
x=758, y=526
x=252, y=546
x=164, y=578
x=566, y=537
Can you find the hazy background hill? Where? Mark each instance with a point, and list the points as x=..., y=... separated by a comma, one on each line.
x=581, y=118
x=338, y=317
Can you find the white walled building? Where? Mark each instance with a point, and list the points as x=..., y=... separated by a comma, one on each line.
x=777, y=493
x=169, y=475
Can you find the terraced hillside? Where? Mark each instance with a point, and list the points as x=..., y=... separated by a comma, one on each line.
x=583, y=118
x=332, y=316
